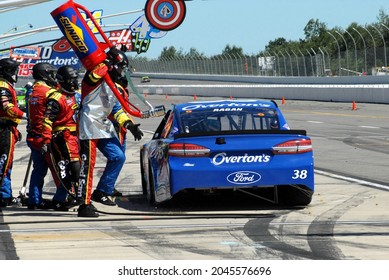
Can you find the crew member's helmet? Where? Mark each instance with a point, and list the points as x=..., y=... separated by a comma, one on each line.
x=9, y=70
x=67, y=77
x=274, y=124
x=119, y=64
x=45, y=72
x=28, y=85
x=123, y=81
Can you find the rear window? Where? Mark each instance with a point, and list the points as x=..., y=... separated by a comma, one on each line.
x=241, y=119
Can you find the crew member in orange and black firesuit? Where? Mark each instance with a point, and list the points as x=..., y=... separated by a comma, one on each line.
x=10, y=116
x=44, y=85
x=60, y=135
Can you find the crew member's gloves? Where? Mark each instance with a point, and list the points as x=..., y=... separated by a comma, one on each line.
x=134, y=129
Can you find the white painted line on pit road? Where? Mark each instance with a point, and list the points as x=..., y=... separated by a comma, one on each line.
x=350, y=179
x=148, y=131
x=366, y=126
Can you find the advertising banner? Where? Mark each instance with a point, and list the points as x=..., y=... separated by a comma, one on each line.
x=58, y=54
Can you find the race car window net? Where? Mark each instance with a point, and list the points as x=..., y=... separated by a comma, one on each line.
x=255, y=119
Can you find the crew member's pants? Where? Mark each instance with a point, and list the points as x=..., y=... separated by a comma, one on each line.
x=112, y=150
x=6, y=188
x=8, y=139
x=65, y=150
x=40, y=166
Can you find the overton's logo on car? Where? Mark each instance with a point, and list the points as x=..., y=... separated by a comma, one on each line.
x=243, y=177
x=222, y=158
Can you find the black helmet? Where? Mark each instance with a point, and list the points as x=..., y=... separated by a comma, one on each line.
x=117, y=57
x=68, y=78
x=119, y=62
x=45, y=72
x=123, y=81
x=274, y=124
x=9, y=69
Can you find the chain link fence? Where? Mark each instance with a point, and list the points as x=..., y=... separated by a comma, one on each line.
x=311, y=63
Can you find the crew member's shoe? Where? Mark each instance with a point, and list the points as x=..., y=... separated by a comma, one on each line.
x=101, y=197
x=45, y=204
x=73, y=202
x=59, y=206
x=93, y=207
x=87, y=210
x=116, y=193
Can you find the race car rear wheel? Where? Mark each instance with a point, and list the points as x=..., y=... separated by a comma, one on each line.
x=151, y=188
x=293, y=195
x=142, y=174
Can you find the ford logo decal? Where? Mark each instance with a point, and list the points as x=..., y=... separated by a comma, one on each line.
x=243, y=177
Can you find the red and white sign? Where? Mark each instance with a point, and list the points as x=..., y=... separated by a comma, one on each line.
x=121, y=37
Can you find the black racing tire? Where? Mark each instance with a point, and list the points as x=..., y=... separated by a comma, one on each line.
x=292, y=195
x=142, y=174
x=151, y=190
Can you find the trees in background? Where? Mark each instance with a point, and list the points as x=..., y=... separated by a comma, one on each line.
x=318, y=37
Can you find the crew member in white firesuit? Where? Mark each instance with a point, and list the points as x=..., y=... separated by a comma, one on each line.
x=60, y=135
x=10, y=116
x=97, y=131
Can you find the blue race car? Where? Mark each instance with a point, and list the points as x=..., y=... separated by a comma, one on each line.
x=241, y=145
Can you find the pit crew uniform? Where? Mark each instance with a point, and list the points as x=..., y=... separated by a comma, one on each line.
x=97, y=131
x=10, y=117
x=60, y=132
x=121, y=131
x=41, y=163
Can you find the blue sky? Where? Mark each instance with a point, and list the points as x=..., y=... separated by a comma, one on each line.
x=210, y=25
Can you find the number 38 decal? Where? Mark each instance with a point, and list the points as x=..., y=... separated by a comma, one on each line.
x=300, y=174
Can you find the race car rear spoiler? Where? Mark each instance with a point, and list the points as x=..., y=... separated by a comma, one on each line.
x=240, y=132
